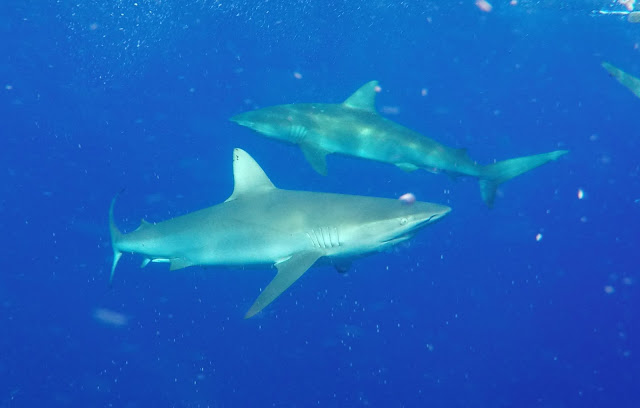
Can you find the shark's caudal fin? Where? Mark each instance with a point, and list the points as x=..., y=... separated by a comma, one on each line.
x=495, y=174
x=115, y=236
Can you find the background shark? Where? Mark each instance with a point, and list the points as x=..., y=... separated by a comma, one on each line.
x=263, y=225
x=631, y=82
x=354, y=128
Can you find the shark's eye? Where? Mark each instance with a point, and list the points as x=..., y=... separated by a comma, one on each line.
x=403, y=221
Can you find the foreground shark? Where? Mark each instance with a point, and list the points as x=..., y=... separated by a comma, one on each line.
x=263, y=225
x=354, y=128
x=625, y=79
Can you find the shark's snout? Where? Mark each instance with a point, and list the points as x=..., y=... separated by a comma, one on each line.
x=240, y=119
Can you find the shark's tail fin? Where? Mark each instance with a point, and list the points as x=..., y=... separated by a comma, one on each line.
x=495, y=174
x=115, y=236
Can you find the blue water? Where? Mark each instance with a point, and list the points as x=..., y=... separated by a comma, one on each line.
x=97, y=96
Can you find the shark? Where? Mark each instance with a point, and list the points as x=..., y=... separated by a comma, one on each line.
x=354, y=128
x=262, y=225
x=627, y=80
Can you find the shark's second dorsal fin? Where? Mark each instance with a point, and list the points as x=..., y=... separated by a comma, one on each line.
x=364, y=98
x=143, y=225
x=248, y=176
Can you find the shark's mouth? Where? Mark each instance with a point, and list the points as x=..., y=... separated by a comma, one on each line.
x=398, y=239
x=410, y=233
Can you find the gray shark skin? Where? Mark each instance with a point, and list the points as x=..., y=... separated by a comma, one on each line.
x=262, y=225
x=629, y=81
x=354, y=128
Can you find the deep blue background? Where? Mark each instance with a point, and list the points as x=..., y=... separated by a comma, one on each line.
x=99, y=96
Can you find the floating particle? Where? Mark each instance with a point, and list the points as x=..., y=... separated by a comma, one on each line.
x=609, y=289
x=484, y=5
x=424, y=91
x=377, y=88
x=297, y=75
x=514, y=2
x=407, y=198
x=93, y=26
x=580, y=194
x=110, y=318
x=390, y=110
x=539, y=237
x=627, y=280
x=8, y=87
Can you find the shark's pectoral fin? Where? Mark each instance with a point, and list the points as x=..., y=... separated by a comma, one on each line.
x=316, y=157
x=408, y=167
x=288, y=272
x=179, y=263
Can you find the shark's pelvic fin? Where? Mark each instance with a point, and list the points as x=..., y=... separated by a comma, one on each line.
x=115, y=236
x=288, y=272
x=494, y=174
x=408, y=167
x=248, y=176
x=364, y=98
x=316, y=157
x=179, y=263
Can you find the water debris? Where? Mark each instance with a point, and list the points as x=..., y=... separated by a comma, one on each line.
x=580, y=194
x=484, y=5
x=407, y=198
x=110, y=318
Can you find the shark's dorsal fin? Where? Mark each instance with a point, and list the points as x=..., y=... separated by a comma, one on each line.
x=364, y=98
x=143, y=224
x=248, y=176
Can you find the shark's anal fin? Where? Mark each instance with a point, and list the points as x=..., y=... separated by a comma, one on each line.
x=288, y=272
x=316, y=157
x=179, y=263
x=364, y=98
